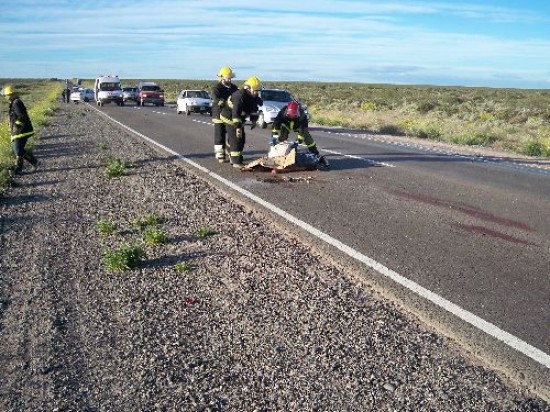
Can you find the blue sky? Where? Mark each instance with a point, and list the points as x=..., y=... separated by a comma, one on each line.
x=468, y=43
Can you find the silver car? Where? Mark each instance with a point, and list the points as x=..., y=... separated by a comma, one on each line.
x=130, y=93
x=82, y=95
x=273, y=101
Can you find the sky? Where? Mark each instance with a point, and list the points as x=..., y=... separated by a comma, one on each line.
x=492, y=43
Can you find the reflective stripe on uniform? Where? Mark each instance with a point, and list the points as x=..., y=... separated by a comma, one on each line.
x=225, y=120
x=18, y=136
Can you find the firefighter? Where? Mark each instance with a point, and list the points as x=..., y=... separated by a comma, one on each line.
x=20, y=129
x=242, y=103
x=220, y=93
x=292, y=118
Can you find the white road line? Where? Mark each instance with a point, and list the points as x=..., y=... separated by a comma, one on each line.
x=481, y=324
x=472, y=157
x=370, y=161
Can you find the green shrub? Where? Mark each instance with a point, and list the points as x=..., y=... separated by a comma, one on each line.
x=368, y=106
x=5, y=180
x=115, y=168
x=183, y=267
x=150, y=220
x=106, y=227
x=154, y=236
x=537, y=147
x=125, y=257
x=474, y=138
x=205, y=232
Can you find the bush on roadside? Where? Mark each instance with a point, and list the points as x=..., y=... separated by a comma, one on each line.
x=125, y=257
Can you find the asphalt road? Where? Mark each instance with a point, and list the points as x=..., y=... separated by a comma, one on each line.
x=473, y=231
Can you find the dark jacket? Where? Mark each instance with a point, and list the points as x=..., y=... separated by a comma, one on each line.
x=220, y=94
x=299, y=125
x=240, y=105
x=20, y=122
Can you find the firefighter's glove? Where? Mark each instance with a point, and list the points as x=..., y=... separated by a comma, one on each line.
x=239, y=132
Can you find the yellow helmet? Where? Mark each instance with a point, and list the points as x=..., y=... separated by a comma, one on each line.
x=8, y=90
x=253, y=83
x=226, y=73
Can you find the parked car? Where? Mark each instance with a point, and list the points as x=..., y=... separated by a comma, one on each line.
x=130, y=93
x=196, y=101
x=273, y=101
x=82, y=95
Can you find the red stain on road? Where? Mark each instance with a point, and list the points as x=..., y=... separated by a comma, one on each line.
x=486, y=231
x=467, y=210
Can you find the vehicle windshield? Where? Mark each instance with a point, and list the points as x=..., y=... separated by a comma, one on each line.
x=109, y=86
x=151, y=88
x=200, y=94
x=276, y=96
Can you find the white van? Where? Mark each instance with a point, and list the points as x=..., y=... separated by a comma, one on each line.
x=108, y=89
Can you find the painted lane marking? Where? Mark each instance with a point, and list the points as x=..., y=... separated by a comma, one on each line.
x=369, y=161
x=474, y=320
x=474, y=158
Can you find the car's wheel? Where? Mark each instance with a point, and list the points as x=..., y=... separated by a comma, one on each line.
x=178, y=111
x=261, y=121
x=86, y=99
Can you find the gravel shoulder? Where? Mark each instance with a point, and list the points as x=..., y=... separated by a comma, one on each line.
x=261, y=322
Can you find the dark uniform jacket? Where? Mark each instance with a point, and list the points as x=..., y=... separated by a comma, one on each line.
x=20, y=122
x=220, y=94
x=299, y=125
x=241, y=104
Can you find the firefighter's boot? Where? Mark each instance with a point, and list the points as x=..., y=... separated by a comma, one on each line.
x=32, y=160
x=236, y=161
x=18, y=169
x=219, y=152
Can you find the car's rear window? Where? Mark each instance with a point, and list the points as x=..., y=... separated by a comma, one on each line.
x=276, y=96
x=150, y=88
x=200, y=94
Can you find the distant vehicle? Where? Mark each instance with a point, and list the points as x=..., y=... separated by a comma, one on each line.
x=107, y=89
x=273, y=101
x=82, y=95
x=130, y=93
x=196, y=101
x=150, y=92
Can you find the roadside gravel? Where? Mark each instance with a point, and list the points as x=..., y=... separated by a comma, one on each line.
x=261, y=322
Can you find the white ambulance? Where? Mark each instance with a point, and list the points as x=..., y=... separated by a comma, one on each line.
x=108, y=89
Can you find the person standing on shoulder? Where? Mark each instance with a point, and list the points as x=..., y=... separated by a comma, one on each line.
x=242, y=103
x=220, y=93
x=292, y=118
x=20, y=129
